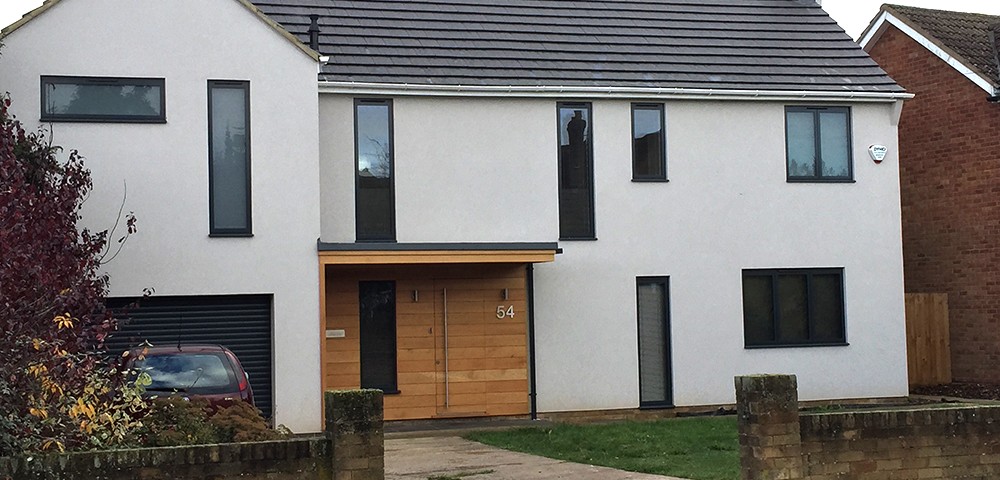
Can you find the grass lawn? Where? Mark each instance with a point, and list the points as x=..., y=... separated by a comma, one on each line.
x=700, y=448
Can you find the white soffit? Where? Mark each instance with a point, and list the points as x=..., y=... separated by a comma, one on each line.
x=875, y=31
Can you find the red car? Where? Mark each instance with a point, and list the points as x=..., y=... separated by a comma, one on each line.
x=211, y=372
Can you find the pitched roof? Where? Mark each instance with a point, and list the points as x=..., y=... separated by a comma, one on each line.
x=773, y=45
x=971, y=38
x=47, y=4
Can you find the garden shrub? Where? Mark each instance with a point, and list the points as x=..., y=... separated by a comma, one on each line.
x=242, y=422
x=174, y=421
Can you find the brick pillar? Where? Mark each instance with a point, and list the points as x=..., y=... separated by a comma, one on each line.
x=770, y=441
x=354, y=426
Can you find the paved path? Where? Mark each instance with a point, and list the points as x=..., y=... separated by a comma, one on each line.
x=423, y=458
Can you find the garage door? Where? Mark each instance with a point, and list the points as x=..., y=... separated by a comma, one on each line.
x=241, y=323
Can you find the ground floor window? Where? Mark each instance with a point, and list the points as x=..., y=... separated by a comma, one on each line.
x=377, y=309
x=793, y=307
x=653, y=305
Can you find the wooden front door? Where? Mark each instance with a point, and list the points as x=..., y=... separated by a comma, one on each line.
x=481, y=346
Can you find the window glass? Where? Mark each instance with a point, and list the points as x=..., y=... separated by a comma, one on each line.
x=834, y=144
x=818, y=143
x=654, y=368
x=793, y=322
x=375, y=202
x=801, y=145
x=576, y=184
x=230, y=158
x=102, y=99
x=377, y=309
x=828, y=307
x=794, y=307
x=648, y=160
x=191, y=373
x=758, y=309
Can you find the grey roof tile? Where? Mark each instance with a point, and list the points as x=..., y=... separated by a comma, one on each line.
x=731, y=44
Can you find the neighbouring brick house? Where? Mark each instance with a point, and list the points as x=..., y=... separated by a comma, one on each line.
x=949, y=168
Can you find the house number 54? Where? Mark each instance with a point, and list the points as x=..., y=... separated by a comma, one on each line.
x=504, y=312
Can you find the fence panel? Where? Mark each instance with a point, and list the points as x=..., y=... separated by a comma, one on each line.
x=928, y=341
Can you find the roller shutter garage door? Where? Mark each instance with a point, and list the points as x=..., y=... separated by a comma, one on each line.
x=241, y=323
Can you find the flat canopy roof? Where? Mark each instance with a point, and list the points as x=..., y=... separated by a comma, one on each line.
x=435, y=253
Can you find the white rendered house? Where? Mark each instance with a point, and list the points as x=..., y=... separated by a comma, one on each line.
x=526, y=208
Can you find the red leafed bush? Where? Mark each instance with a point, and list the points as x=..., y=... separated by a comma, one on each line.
x=52, y=313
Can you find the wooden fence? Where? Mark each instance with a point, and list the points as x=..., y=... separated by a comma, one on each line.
x=928, y=341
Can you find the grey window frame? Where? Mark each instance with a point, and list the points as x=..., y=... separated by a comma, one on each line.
x=392, y=171
x=212, y=229
x=668, y=370
x=662, y=178
x=817, y=146
x=103, y=81
x=592, y=234
x=776, y=315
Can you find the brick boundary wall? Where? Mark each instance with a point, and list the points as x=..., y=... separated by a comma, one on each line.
x=914, y=443
x=352, y=449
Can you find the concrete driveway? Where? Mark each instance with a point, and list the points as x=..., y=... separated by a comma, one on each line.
x=457, y=458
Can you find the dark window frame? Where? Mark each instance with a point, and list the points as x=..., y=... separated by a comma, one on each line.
x=592, y=234
x=214, y=231
x=103, y=81
x=392, y=171
x=668, y=370
x=818, y=177
x=662, y=178
x=773, y=274
x=393, y=388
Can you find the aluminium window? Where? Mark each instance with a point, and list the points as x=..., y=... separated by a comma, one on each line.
x=377, y=314
x=103, y=99
x=229, y=158
x=818, y=144
x=649, y=152
x=375, y=203
x=653, y=307
x=576, y=172
x=793, y=307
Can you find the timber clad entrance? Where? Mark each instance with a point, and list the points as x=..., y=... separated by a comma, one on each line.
x=461, y=337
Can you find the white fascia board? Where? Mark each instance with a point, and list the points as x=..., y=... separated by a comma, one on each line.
x=357, y=88
x=875, y=32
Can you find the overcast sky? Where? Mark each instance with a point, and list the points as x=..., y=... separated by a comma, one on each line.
x=853, y=15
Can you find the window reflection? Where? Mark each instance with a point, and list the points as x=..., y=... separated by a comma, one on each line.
x=374, y=200
x=576, y=197
x=102, y=99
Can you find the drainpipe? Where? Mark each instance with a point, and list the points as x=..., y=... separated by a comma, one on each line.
x=532, y=394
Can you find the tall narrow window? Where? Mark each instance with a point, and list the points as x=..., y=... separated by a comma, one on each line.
x=649, y=153
x=793, y=307
x=103, y=99
x=375, y=207
x=377, y=309
x=229, y=158
x=818, y=144
x=654, y=342
x=576, y=172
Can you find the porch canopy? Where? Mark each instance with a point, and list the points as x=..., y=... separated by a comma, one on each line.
x=435, y=253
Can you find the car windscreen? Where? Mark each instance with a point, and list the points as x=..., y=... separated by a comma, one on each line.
x=196, y=373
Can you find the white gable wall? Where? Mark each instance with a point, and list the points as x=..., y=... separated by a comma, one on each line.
x=165, y=166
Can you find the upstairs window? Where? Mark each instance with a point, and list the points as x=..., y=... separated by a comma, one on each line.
x=576, y=172
x=103, y=99
x=229, y=158
x=375, y=203
x=818, y=143
x=793, y=307
x=649, y=153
